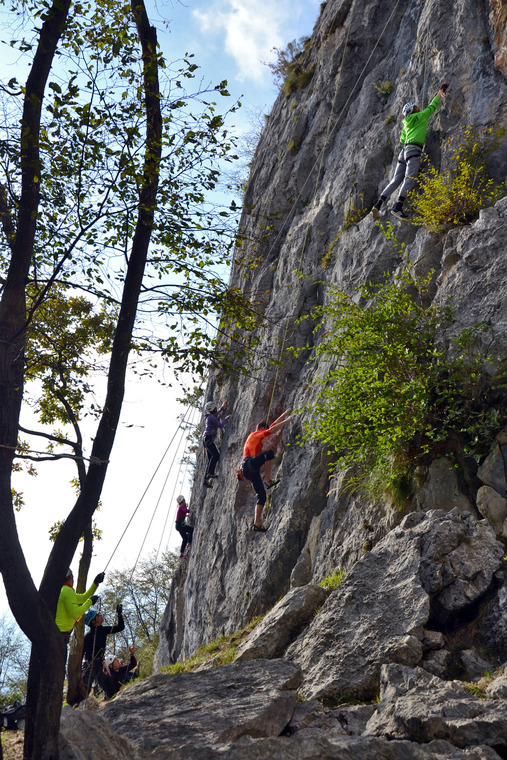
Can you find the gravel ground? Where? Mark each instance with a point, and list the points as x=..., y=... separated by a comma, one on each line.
x=12, y=745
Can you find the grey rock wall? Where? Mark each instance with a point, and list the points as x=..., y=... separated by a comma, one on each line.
x=327, y=145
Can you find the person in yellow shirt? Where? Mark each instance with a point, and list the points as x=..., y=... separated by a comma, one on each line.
x=71, y=605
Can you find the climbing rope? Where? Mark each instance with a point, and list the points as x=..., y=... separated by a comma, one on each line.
x=179, y=479
x=183, y=431
x=183, y=420
x=307, y=230
x=329, y=131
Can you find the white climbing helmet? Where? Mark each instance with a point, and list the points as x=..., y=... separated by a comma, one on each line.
x=180, y=499
x=408, y=108
x=209, y=407
x=109, y=659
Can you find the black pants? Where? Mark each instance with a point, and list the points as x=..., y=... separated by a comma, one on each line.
x=251, y=470
x=213, y=455
x=92, y=672
x=186, y=532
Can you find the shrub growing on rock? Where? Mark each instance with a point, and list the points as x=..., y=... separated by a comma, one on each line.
x=392, y=397
x=456, y=195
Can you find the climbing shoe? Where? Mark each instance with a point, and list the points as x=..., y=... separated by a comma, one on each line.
x=375, y=212
x=272, y=483
x=258, y=528
x=207, y=483
x=398, y=211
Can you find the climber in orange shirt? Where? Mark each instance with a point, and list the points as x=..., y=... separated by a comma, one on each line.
x=254, y=459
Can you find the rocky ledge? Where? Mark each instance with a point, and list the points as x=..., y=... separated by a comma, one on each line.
x=392, y=664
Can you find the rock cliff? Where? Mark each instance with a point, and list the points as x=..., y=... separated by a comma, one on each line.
x=324, y=146
x=406, y=658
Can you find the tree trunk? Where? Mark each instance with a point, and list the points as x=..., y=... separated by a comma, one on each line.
x=76, y=690
x=35, y=611
x=44, y=698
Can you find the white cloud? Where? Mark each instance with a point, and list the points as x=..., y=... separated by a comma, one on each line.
x=250, y=31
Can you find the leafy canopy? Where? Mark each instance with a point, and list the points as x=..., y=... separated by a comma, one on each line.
x=92, y=161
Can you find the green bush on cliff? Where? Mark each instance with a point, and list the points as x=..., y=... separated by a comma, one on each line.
x=333, y=580
x=457, y=194
x=390, y=397
x=290, y=68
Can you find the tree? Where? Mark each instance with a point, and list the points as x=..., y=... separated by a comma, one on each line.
x=14, y=653
x=65, y=344
x=103, y=196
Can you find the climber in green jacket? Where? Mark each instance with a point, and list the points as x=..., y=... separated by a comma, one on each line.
x=413, y=137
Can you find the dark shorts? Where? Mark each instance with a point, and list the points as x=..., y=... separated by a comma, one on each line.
x=251, y=470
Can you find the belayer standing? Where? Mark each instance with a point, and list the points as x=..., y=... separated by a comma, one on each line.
x=212, y=425
x=412, y=138
x=254, y=459
x=71, y=606
x=185, y=531
x=94, y=644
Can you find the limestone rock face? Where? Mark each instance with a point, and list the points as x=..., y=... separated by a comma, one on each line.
x=492, y=470
x=424, y=587
x=499, y=23
x=414, y=707
x=236, y=712
x=441, y=490
x=493, y=507
x=329, y=147
x=85, y=735
x=433, y=565
x=287, y=618
x=212, y=707
x=458, y=559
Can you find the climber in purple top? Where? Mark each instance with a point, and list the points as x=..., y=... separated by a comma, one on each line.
x=185, y=531
x=213, y=424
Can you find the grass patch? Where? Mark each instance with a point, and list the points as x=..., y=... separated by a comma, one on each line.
x=222, y=651
x=476, y=689
x=354, y=214
x=326, y=259
x=383, y=89
x=298, y=78
x=332, y=581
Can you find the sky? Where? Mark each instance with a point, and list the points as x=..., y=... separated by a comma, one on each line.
x=233, y=40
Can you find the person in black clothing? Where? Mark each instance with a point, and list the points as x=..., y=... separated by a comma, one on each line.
x=94, y=644
x=117, y=673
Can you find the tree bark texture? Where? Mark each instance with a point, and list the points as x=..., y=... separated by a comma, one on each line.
x=35, y=610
